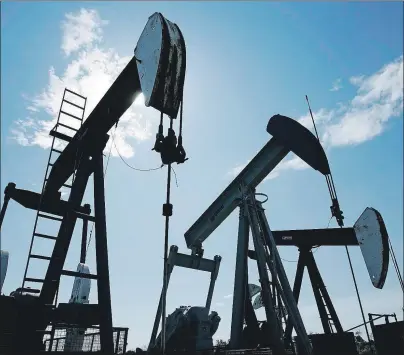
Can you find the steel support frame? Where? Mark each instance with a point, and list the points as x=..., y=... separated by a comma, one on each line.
x=252, y=215
x=281, y=280
x=190, y=262
x=306, y=259
x=89, y=165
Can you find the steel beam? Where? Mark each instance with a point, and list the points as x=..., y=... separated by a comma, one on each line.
x=240, y=281
x=101, y=249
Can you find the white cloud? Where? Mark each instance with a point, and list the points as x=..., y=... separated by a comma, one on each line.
x=90, y=72
x=379, y=98
x=237, y=169
x=336, y=85
x=294, y=163
x=80, y=30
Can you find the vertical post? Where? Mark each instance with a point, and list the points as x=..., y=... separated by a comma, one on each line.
x=83, y=250
x=285, y=289
x=101, y=249
x=125, y=341
x=275, y=335
x=240, y=280
x=296, y=291
x=250, y=317
x=92, y=342
x=170, y=262
x=118, y=334
x=167, y=212
x=213, y=277
x=51, y=339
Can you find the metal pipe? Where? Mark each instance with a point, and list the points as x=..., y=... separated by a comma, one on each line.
x=362, y=324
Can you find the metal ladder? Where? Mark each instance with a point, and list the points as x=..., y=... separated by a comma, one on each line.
x=58, y=139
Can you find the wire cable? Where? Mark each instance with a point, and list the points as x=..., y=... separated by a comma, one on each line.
x=393, y=257
x=175, y=176
x=357, y=293
x=317, y=247
x=334, y=199
x=105, y=173
x=130, y=166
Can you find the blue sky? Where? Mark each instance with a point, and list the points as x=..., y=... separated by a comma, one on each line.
x=245, y=63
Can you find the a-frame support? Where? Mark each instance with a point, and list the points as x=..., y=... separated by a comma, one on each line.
x=252, y=216
x=89, y=164
x=328, y=315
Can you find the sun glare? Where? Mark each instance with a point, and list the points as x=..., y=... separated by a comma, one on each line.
x=139, y=100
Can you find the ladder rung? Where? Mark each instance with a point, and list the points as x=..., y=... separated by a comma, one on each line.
x=79, y=274
x=29, y=290
x=72, y=92
x=69, y=114
x=85, y=216
x=73, y=104
x=33, y=279
x=57, y=150
x=35, y=256
x=50, y=217
x=44, y=236
x=64, y=185
x=61, y=136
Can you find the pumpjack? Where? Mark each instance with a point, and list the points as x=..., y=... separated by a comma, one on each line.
x=275, y=293
x=157, y=70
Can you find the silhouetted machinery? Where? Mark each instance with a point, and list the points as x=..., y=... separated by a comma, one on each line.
x=190, y=329
x=158, y=71
x=274, y=292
